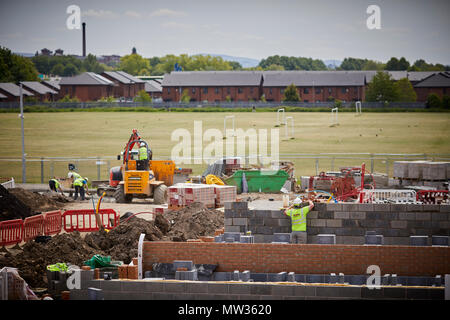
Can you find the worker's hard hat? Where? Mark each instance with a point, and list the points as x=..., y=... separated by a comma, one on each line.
x=86, y=179
x=297, y=202
x=142, y=144
x=69, y=175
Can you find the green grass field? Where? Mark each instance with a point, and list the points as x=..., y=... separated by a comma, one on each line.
x=92, y=134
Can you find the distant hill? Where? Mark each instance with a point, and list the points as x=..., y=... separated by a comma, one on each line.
x=24, y=54
x=245, y=62
x=332, y=63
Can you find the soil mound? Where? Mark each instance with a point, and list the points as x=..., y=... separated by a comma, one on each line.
x=193, y=221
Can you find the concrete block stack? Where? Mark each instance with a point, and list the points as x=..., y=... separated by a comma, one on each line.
x=261, y=223
x=422, y=173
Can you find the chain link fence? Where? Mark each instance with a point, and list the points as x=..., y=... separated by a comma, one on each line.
x=41, y=169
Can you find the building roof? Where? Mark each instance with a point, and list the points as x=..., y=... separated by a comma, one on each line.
x=437, y=80
x=153, y=86
x=212, y=78
x=313, y=78
x=420, y=75
x=130, y=77
x=87, y=78
x=2, y=96
x=54, y=84
x=14, y=89
x=118, y=77
x=38, y=87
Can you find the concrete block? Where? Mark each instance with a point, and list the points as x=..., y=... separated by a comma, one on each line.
x=359, y=215
x=341, y=278
x=256, y=221
x=341, y=215
x=153, y=286
x=240, y=221
x=431, y=207
x=411, y=216
x=231, y=234
x=314, y=278
x=290, y=277
x=325, y=215
x=418, y=240
x=232, y=229
x=183, y=264
x=313, y=214
x=262, y=213
x=218, y=238
x=333, y=278
x=245, y=276
x=399, y=224
x=423, y=215
x=284, y=222
x=264, y=230
x=228, y=214
x=444, y=208
x=237, y=288
x=247, y=239
x=318, y=223
x=281, y=276
x=236, y=276
x=261, y=289
x=228, y=221
x=277, y=214
x=374, y=240
x=439, y=216
x=197, y=287
x=175, y=287
x=413, y=207
x=381, y=207
x=326, y=238
x=304, y=291
x=259, y=277
x=333, y=223
x=228, y=205
x=283, y=290
x=241, y=205
x=439, y=240
x=270, y=222
x=437, y=281
x=95, y=294
x=334, y=207
x=281, y=237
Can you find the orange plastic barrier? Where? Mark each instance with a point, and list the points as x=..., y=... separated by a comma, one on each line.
x=11, y=232
x=84, y=220
x=52, y=222
x=33, y=227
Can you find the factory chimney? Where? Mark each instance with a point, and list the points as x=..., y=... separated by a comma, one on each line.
x=84, y=39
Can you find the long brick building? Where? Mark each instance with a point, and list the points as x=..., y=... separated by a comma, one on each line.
x=312, y=86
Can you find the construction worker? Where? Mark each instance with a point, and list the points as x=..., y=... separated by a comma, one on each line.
x=80, y=184
x=298, y=220
x=72, y=175
x=143, y=156
x=55, y=185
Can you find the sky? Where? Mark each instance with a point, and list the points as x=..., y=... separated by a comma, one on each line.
x=320, y=29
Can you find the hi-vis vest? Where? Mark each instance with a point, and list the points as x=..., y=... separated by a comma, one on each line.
x=143, y=153
x=75, y=175
x=79, y=182
x=298, y=218
x=56, y=183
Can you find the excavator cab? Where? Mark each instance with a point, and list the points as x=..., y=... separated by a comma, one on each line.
x=141, y=178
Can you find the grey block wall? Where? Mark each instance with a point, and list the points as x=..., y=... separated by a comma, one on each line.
x=203, y=290
x=348, y=221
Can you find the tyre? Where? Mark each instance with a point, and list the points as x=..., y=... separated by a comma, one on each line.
x=160, y=194
x=119, y=194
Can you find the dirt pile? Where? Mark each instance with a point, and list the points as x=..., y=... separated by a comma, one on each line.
x=18, y=203
x=193, y=221
x=120, y=243
x=32, y=261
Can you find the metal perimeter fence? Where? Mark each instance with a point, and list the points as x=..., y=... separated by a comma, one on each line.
x=41, y=169
x=206, y=104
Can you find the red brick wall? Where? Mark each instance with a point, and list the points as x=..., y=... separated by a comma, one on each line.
x=351, y=94
x=303, y=259
x=422, y=93
x=86, y=93
x=246, y=94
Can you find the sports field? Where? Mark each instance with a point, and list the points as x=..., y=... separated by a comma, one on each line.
x=98, y=134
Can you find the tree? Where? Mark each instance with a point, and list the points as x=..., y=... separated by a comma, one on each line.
x=275, y=67
x=58, y=69
x=185, y=96
x=433, y=101
x=133, y=64
x=397, y=65
x=352, y=64
x=446, y=102
x=293, y=63
x=90, y=64
x=291, y=93
x=143, y=96
x=381, y=88
x=235, y=65
x=405, y=91
x=70, y=70
x=14, y=68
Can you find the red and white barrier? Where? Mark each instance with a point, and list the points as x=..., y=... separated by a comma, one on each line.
x=52, y=222
x=85, y=221
x=33, y=227
x=11, y=232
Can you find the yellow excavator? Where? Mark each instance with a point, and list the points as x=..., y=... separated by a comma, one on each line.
x=140, y=178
